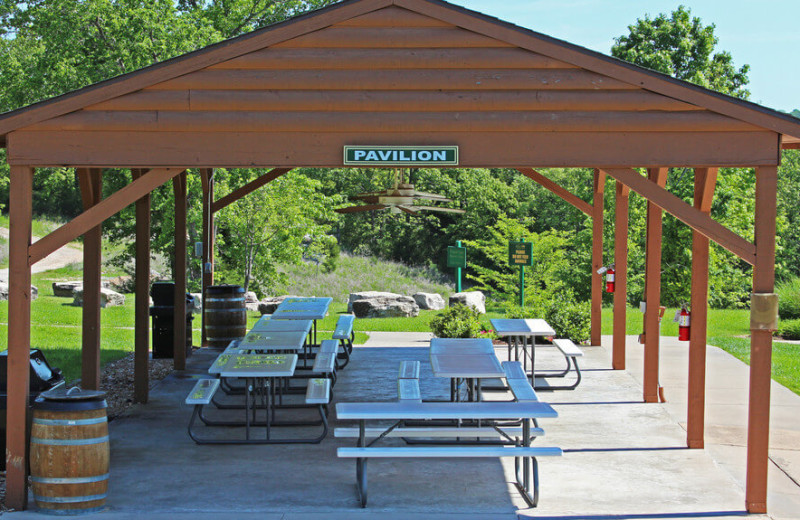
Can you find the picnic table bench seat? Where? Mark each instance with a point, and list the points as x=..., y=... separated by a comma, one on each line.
x=409, y=370
x=485, y=411
x=571, y=353
x=343, y=332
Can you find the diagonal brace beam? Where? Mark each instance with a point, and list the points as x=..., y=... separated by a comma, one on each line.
x=101, y=211
x=557, y=189
x=692, y=217
x=248, y=188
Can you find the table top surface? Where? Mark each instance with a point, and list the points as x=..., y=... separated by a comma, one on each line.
x=461, y=346
x=285, y=340
x=260, y=365
x=301, y=314
x=265, y=324
x=519, y=327
x=472, y=366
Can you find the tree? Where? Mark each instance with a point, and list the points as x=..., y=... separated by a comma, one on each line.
x=683, y=48
x=271, y=226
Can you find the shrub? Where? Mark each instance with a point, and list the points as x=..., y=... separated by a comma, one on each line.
x=570, y=319
x=789, y=299
x=458, y=321
x=789, y=329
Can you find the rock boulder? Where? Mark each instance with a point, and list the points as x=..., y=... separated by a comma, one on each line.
x=251, y=301
x=366, y=295
x=108, y=298
x=429, y=301
x=386, y=307
x=65, y=289
x=474, y=299
x=4, y=291
x=270, y=303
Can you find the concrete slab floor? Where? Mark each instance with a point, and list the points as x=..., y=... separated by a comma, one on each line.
x=623, y=458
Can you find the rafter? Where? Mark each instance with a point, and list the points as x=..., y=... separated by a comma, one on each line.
x=557, y=189
x=248, y=188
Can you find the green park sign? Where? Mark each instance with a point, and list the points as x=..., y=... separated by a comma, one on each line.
x=520, y=253
x=456, y=256
x=401, y=155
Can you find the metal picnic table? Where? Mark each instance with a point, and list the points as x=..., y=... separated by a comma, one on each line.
x=517, y=332
x=303, y=309
x=465, y=360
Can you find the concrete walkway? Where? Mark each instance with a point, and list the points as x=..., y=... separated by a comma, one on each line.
x=623, y=458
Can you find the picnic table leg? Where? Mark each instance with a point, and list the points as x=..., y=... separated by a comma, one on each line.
x=247, y=389
x=361, y=464
x=268, y=417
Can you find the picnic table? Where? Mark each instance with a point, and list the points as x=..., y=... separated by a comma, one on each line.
x=521, y=336
x=465, y=360
x=303, y=309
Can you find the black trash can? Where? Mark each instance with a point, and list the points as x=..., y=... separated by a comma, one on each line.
x=162, y=311
x=43, y=377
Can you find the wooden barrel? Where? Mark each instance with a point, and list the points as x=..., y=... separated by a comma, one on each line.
x=69, y=455
x=226, y=315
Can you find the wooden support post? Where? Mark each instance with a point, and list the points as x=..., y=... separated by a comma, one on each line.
x=705, y=181
x=597, y=255
x=141, y=361
x=179, y=323
x=761, y=342
x=207, y=181
x=19, y=335
x=652, y=293
x=91, y=183
x=621, y=278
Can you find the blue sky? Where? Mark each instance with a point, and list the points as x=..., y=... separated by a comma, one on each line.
x=763, y=34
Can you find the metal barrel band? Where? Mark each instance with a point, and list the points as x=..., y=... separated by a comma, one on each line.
x=231, y=310
x=69, y=480
x=225, y=299
x=70, y=422
x=69, y=442
x=69, y=500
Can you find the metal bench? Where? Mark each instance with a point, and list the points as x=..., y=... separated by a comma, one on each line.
x=409, y=370
x=331, y=346
x=343, y=332
x=518, y=382
x=571, y=353
x=487, y=412
x=202, y=393
x=408, y=390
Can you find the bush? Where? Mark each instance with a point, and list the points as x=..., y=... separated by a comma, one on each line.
x=789, y=299
x=570, y=319
x=458, y=321
x=789, y=329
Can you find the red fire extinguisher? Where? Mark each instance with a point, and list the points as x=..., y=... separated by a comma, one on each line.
x=610, y=280
x=684, y=324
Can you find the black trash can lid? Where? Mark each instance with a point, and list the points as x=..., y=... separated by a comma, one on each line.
x=76, y=393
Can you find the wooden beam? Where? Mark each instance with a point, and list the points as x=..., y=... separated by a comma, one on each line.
x=690, y=216
x=621, y=276
x=761, y=345
x=393, y=37
x=652, y=291
x=557, y=189
x=101, y=211
x=207, y=184
x=141, y=360
x=705, y=181
x=598, y=208
x=19, y=336
x=179, y=323
x=393, y=100
x=379, y=121
x=91, y=183
x=248, y=188
x=324, y=149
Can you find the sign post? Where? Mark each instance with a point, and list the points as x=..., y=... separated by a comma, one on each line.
x=457, y=258
x=521, y=254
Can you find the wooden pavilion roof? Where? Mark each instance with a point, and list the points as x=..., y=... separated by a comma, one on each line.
x=395, y=72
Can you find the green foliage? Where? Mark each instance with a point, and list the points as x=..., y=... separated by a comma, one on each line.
x=682, y=47
x=457, y=321
x=790, y=329
x=789, y=299
x=569, y=318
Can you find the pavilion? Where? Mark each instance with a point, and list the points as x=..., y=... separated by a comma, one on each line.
x=411, y=73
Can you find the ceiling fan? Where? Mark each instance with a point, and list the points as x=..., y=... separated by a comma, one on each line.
x=399, y=198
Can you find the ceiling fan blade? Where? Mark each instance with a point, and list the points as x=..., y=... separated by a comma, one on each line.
x=368, y=195
x=441, y=210
x=431, y=196
x=411, y=210
x=358, y=209
x=369, y=199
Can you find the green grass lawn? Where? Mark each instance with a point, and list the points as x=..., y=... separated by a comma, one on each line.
x=56, y=329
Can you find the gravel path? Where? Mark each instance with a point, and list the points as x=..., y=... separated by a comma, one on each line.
x=69, y=254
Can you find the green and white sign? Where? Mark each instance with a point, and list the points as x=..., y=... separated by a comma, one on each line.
x=401, y=155
x=456, y=256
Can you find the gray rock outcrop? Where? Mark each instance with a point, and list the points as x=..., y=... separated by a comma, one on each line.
x=474, y=299
x=385, y=307
x=65, y=289
x=366, y=295
x=108, y=298
x=429, y=301
x=4, y=291
x=251, y=301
